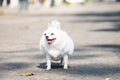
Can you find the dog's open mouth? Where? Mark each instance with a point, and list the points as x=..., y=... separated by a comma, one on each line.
x=50, y=41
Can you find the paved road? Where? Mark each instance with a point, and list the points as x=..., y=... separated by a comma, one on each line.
x=95, y=29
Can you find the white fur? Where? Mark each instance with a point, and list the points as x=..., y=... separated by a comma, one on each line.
x=59, y=49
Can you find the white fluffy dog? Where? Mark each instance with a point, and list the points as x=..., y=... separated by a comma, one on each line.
x=56, y=44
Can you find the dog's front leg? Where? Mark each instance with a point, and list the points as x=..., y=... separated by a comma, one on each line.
x=48, y=62
x=65, y=58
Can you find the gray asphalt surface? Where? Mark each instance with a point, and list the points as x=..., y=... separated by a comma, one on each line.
x=94, y=28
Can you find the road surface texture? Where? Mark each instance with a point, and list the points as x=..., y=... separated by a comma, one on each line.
x=94, y=28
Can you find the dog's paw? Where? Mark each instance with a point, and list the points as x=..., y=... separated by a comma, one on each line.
x=65, y=67
x=48, y=69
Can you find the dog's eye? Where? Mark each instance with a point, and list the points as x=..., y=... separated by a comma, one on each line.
x=45, y=34
x=52, y=33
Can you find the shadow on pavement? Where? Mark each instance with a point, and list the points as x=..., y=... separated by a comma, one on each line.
x=91, y=69
x=88, y=14
x=95, y=70
x=114, y=29
x=96, y=14
x=97, y=20
x=110, y=47
x=13, y=66
x=22, y=50
x=97, y=17
x=53, y=65
x=94, y=48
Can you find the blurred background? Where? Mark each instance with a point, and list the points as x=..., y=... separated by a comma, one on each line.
x=94, y=26
x=30, y=4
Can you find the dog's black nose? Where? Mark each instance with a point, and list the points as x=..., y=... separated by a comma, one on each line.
x=47, y=37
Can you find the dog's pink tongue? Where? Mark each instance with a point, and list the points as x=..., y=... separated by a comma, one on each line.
x=49, y=42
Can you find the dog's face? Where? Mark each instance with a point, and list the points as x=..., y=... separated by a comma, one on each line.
x=53, y=32
x=50, y=35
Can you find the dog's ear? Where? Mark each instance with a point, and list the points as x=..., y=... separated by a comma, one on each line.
x=49, y=25
x=54, y=24
x=57, y=26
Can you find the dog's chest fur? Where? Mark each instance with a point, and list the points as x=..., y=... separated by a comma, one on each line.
x=55, y=52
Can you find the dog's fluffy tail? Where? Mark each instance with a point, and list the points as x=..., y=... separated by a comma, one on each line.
x=54, y=24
